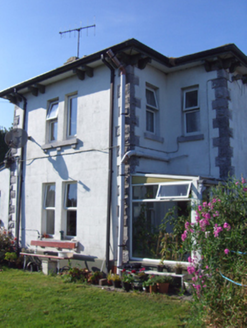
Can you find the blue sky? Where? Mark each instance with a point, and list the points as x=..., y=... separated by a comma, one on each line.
x=31, y=44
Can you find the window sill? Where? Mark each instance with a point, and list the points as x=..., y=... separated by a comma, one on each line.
x=191, y=138
x=150, y=136
x=57, y=144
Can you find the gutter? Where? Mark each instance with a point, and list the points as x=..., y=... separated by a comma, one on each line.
x=110, y=160
x=122, y=166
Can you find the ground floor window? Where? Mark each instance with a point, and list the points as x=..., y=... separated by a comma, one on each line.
x=49, y=207
x=71, y=209
x=158, y=221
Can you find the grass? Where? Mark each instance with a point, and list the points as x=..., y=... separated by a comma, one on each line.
x=35, y=300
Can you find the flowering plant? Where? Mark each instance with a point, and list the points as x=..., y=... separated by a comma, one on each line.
x=7, y=243
x=217, y=241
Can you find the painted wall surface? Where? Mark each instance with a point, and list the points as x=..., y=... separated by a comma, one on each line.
x=238, y=107
x=4, y=197
x=190, y=157
x=87, y=164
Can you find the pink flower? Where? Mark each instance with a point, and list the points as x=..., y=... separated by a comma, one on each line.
x=204, y=204
x=214, y=200
x=226, y=251
x=245, y=189
x=133, y=271
x=236, y=183
x=197, y=218
x=191, y=270
x=206, y=266
x=243, y=180
x=207, y=216
x=189, y=259
x=187, y=224
x=227, y=226
x=199, y=207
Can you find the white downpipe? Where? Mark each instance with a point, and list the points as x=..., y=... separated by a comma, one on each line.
x=122, y=171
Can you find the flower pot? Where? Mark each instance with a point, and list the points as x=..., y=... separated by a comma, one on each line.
x=178, y=270
x=163, y=287
x=126, y=286
x=153, y=289
x=117, y=284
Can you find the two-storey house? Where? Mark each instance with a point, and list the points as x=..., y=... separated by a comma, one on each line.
x=116, y=140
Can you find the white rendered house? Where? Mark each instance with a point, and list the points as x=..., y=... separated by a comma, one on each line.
x=118, y=136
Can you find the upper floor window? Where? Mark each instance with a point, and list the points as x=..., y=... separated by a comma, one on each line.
x=70, y=206
x=51, y=119
x=191, y=111
x=72, y=116
x=49, y=207
x=151, y=110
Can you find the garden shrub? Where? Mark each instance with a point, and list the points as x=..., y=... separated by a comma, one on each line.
x=7, y=244
x=218, y=246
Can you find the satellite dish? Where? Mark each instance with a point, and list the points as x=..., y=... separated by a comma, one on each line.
x=16, y=138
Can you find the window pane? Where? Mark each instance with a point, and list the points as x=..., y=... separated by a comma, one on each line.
x=71, y=223
x=50, y=222
x=174, y=190
x=145, y=192
x=192, y=121
x=50, y=196
x=52, y=111
x=191, y=99
x=71, y=199
x=53, y=130
x=150, y=97
x=149, y=121
x=151, y=231
x=72, y=116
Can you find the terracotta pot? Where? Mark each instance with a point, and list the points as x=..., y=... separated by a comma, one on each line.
x=153, y=289
x=163, y=287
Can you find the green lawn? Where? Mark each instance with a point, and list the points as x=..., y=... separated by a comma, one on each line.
x=34, y=300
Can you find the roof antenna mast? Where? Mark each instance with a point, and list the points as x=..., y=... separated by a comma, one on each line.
x=78, y=30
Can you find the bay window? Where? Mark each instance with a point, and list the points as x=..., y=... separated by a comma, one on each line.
x=159, y=211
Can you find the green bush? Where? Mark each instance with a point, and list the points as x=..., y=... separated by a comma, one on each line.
x=7, y=244
x=217, y=242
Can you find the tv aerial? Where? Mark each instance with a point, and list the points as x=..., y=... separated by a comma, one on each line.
x=78, y=30
x=16, y=138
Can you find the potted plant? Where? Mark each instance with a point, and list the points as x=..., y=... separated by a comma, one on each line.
x=11, y=257
x=109, y=278
x=178, y=268
x=151, y=283
x=145, y=286
x=116, y=280
x=163, y=283
x=95, y=277
x=127, y=280
x=161, y=265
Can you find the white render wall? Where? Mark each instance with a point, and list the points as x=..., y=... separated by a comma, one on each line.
x=190, y=157
x=87, y=164
x=4, y=197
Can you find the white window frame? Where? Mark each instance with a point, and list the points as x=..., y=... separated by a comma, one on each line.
x=69, y=97
x=152, y=109
x=190, y=110
x=66, y=208
x=51, y=120
x=173, y=184
x=49, y=208
x=154, y=199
